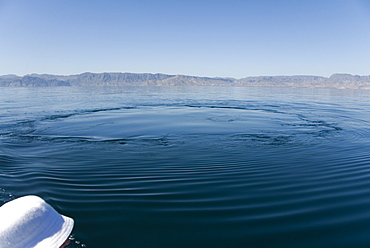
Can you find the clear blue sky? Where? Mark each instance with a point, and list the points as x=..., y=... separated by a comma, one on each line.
x=194, y=37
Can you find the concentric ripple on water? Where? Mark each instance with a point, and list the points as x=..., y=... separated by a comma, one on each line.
x=193, y=167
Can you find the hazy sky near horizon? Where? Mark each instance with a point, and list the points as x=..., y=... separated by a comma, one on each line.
x=194, y=37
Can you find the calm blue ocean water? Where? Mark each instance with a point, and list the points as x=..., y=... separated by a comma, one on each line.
x=193, y=166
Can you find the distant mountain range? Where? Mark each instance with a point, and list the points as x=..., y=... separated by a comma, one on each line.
x=341, y=81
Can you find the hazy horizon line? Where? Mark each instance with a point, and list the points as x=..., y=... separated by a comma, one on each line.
x=171, y=74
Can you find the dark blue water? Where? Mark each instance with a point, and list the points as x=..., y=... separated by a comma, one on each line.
x=193, y=167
